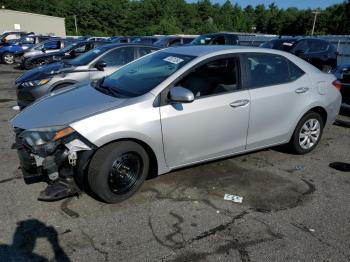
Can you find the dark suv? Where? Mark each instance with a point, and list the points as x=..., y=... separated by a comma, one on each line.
x=317, y=52
x=342, y=72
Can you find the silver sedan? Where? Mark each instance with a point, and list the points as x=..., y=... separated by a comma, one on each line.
x=174, y=108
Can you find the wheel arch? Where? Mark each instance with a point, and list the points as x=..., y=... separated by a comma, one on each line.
x=313, y=108
x=150, y=151
x=63, y=82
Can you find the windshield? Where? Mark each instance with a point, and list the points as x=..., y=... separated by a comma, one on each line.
x=68, y=48
x=87, y=57
x=141, y=76
x=202, y=40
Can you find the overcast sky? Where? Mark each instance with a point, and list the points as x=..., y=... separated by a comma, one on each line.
x=283, y=3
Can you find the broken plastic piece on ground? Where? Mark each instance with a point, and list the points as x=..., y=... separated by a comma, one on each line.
x=311, y=230
x=340, y=166
x=16, y=108
x=58, y=190
x=300, y=168
x=233, y=198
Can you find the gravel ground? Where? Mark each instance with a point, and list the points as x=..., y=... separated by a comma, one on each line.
x=295, y=208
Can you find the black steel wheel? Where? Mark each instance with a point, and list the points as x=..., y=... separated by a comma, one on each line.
x=124, y=173
x=118, y=170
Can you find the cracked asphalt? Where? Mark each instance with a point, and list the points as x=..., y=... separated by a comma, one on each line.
x=295, y=208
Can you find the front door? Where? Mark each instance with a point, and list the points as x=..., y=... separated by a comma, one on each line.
x=215, y=123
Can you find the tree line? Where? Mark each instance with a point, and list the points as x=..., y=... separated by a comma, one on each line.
x=148, y=17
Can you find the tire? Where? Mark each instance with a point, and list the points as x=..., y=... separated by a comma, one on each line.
x=8, y=58
x=27, y=65
x=299, y=142
x=116, y=163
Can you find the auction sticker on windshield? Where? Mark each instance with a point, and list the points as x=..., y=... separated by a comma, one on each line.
x=173, y=60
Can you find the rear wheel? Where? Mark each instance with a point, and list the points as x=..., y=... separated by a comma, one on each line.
x=307, y=134
x=8, y=58
x=118, y=170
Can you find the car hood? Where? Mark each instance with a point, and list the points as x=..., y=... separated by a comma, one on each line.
x=44, y=71
x=65, y=107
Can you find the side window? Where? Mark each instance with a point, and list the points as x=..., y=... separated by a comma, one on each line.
x=294, y=71
x=118, y=57
x=220, y=40
x=317, y=46
x=81, y=49
x=52, y=45
x=29, y=40
x=215, y=77
x=302, y=46
x=175, y=42
x=146, y=50
x=187, y=40
x=266, y=70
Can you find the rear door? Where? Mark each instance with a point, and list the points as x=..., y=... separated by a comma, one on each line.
x=114, y=59
x=215, y=123
x=279, y=92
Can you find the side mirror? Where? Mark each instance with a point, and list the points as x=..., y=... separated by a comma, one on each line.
x=101, y=66
x=179, y=94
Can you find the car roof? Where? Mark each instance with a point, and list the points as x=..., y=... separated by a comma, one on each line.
x=196, y=50
x=114, y=45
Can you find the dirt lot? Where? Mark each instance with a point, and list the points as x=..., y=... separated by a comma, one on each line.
x=295, y=208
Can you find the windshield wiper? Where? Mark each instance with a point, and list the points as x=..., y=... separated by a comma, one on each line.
x=106, y=89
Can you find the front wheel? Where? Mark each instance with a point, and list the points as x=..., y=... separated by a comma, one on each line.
x=118, y=170
x=8, y=58
x=307, y=134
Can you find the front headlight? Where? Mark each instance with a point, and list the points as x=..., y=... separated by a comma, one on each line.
x=44, y=141
x=34, y=83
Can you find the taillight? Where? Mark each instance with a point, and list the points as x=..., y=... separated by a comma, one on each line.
x=337, y=84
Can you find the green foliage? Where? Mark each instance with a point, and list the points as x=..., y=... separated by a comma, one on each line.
x=147, y=17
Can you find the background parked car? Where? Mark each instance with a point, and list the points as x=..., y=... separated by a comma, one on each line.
x=318, y=52
x=10, y=36
x=45, y=47
x=342, y=72
x=9, y=50
x=92, y=65
x=149, y=40
x=69, y=52
x=173, y=40
x=122, y=39
x=216, y=39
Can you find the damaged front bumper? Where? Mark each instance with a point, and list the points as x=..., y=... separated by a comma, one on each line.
x=64, y=158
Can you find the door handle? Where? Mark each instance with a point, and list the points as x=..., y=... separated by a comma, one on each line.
x=301, y=90
x=239, y=103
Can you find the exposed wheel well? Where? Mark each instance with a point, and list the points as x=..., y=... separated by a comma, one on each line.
x=321, y=111
x=61, y=85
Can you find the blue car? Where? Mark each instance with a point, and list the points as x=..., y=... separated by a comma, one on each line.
x=8, y=50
